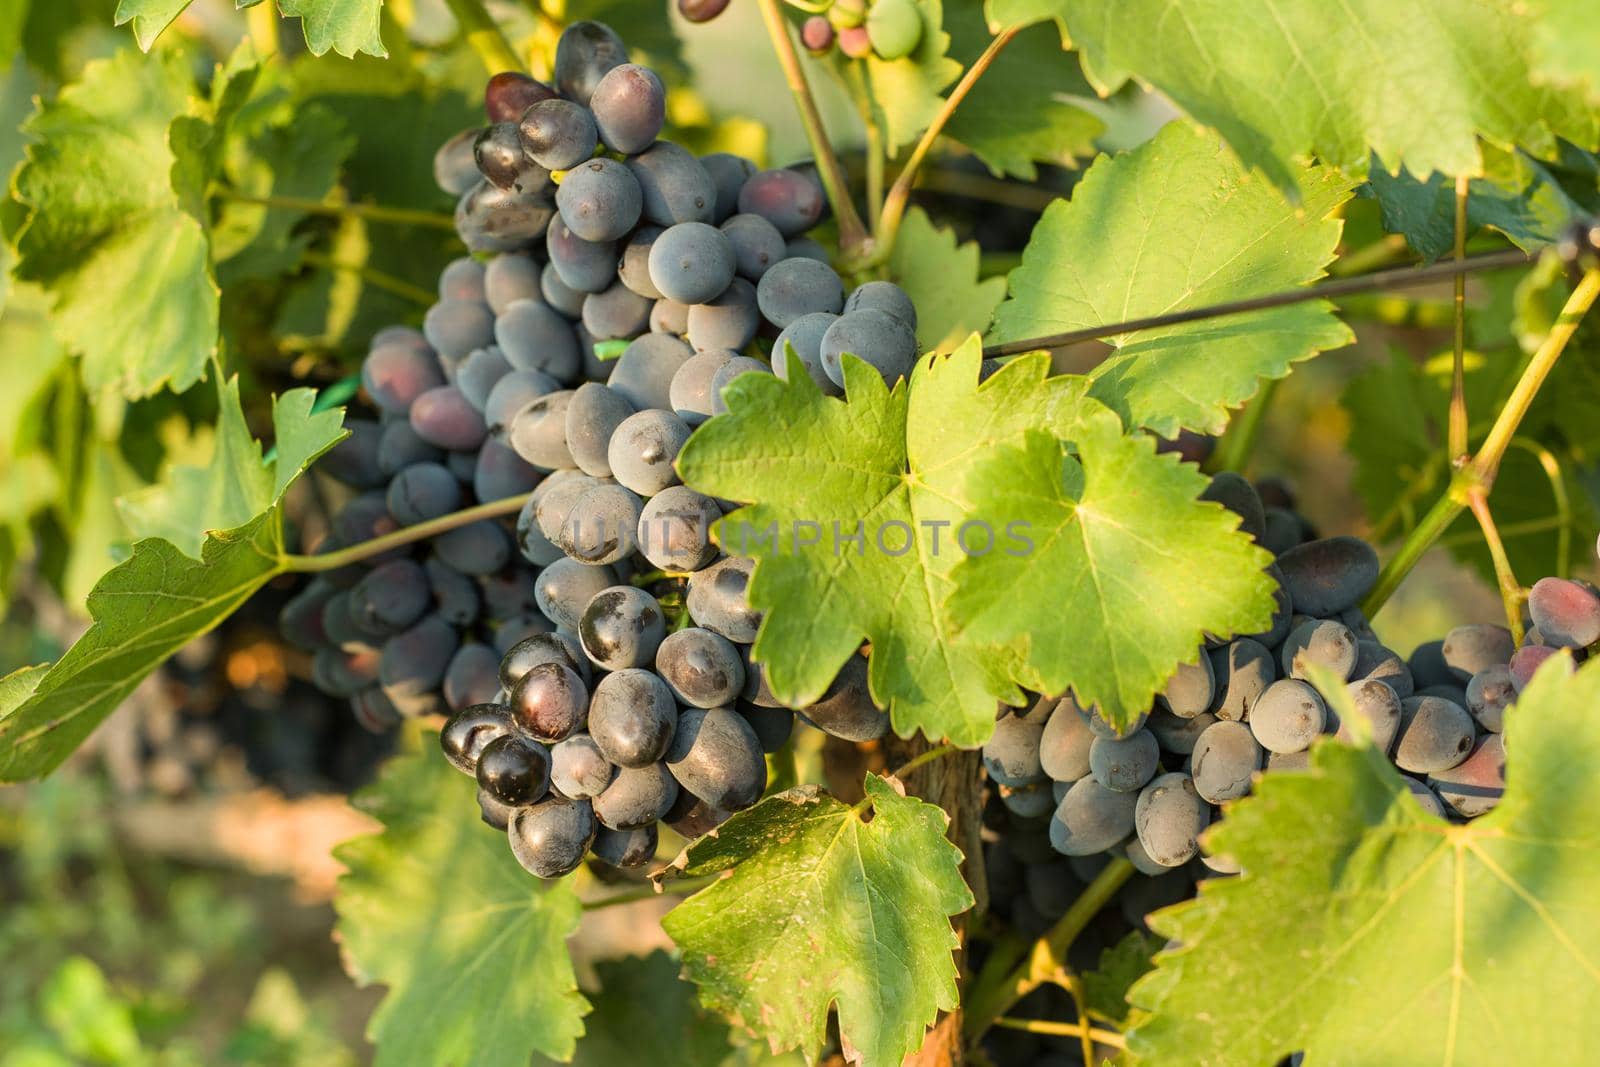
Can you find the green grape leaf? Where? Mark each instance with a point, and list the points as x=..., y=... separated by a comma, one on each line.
x=159, y=599
x=346, y=26
x=821, y=908
x=1105, y=989
x=97, y=537
x=107, y=235
x=1566, y=41
x=1365, y=931
x=906, y=93
x=233, y=484
x=295, y=153
x=1178, y=223
x=941, y=277
x=891, y=465
x=150, y=18
x=471, y=946
x=1129, y=571
x=646, y=1013
x=1529, y=200
x=1300, y=81
x=1016, y=114
x=144, y=610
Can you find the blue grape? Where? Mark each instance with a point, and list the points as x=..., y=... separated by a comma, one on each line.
x=880, y=339
x=1235, y=493
x=1190, y=689
x=728, y=322
x=602, y=525
x=587, y=266
x=454, y=169
x=1566, y=613
x=395, y=373
x=1490, y=692
x=565, y=588
x=1243, y=672
x=400, y=446
x=757, y=245
x=481, y=547
x=644, y=449
x=1288, y=716
x=632, y=717
x=343, y=672
x=1319, y=642
x=689, y=395
x=691, y=262
x=806, y=248
x=549, y=702
x=585, y=53
x=579, y=769
x=675, y=529
x=1470, y=649
x=1325, y=577
x=637, y=796
x=509, y=593
x=626, y=849
x=511, y=394
x=1378, y=663
x=600, y=200
x=1376, y=703
x=1225, y=758
x=622, y=627
x=1091, y=818
x=630, y=106
x=549, y=839
x=633, y=268
x=1011, y=755
x=805, y=335
x=422, y=492
x=455, y=596
x=772, y=726
x=554, y=499
x=558, y=294
x=1125, y=764
x=886, y=297
x=790, y=200
x=703, y=669
x=1065, y=743
x=471, y=677
x=669, y=316
x=717, y=600
x=737, y=367
x=509, y=277
x=716, y=755
x=1435, y=735
x=1474, y=786
x=469, y=732
x=616, y=313
x=534, y=336
x=501, y=473
x=643, y=373
x=354, y=461
x=414, y=660
x=798, y=287
x=558, y=134
x=538, y=432
x=443, y=417
x=676, y=188
x=502, y=158
x=593, y=415
x=509, y=93
x=490, y=219
x=845, y=710
x=514, y=770
x=1169, y=818
x=392, y=596
x=728, y=174
x=479, y=373
x=545, y=647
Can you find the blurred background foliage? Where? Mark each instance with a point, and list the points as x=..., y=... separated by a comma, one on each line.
x=163, y=899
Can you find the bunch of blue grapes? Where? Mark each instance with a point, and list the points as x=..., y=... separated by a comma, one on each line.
x=625, y=695
x=1068, y=791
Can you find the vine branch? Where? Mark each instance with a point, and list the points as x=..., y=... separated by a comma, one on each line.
x=1396, y=278
x=1048, y=958
x=853, y=236
x=894, y=205
x=332, y=561
x=683, y=888
x=1510, y=588
x=1054, y=1029
x=1478, y=474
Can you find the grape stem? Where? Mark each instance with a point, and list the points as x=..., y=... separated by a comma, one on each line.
x=1511, y=594
x=853, y=237
x=916, y=761
x=1047, y=961
x=483, y=34
x=1396, y=278
x=1478, y=474
x=374, y=212
x=894, y=205
x=377, y=546
x=1055, y=1029
x=262, y=21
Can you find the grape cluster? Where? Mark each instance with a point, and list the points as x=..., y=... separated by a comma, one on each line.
x=634, y=699
x=1073, y=787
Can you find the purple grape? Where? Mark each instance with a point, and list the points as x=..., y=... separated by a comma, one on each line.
x=630, y=106
x=479, y=548
x=558, y=134
x=643, y=373
x=600, y=200
x=675, y=529
x=502, y=159
x=549, y=702
x=805, y=335
x=790, y=200
x=490, y=219
x=586, y=266
x=585, y=53
x=728, y=174
x=396, y=373
x=675, y=187
x=616, y=313
x=454, y=169
x=878, y=338
x=510, y=277
x=692, y=262
x=1566, y=613
x=549, y=839
x=593, y=415
x=690, y=392
x=508, y=94
x=538, y=432
x=716, y=755
x=354, y=461
x=632, y=717
x=728, y=322
x=757, y=244
x=422, y=492
x=798, y=287
x=534, y=336
x=401, y=447
x=469, y=732
x=471, y=678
